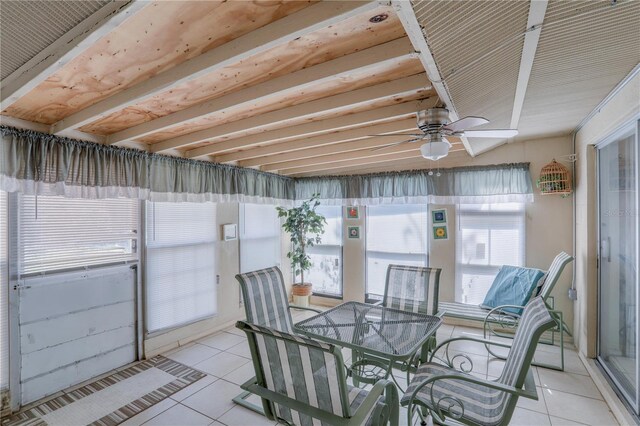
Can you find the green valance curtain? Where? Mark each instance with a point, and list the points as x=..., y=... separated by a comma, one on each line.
x=39, y=163
x=479, y=184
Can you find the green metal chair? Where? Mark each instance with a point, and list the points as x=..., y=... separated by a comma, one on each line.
x=266, y=304
x=453, y=396
x=303, y=382
x=498, y=323
x=407, y=288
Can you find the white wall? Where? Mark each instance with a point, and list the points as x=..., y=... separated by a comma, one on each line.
x=619, y=110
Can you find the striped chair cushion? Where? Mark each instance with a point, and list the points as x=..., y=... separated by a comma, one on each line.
x=305, y=370
x=412, y=288
x=557, y=266
x=482, y=405
x=265, y=299
x=470, y=312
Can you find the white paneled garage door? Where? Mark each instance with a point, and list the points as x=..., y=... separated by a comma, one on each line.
x=75, y=326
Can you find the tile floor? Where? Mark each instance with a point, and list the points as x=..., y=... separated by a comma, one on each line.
x=565, y=398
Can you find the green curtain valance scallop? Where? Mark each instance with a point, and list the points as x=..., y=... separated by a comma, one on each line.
x=43, y=164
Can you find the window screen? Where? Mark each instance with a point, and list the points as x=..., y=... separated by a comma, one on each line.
x=259, y=237
x=396, y=234
x=180, y=272
x=57, y=233
x=488, y=236
x=326, y=257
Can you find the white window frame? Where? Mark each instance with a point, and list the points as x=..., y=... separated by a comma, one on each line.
x=399, y=256
x=490, y=269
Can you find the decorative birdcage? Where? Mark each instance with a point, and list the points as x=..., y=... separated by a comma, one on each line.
x=555, y=179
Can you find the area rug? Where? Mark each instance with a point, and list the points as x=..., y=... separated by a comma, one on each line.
x=113, y=399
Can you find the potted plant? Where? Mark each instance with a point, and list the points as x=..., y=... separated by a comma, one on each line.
x=304, y=226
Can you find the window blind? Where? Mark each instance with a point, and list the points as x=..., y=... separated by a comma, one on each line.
x=260, y=237
x=4, y=294
x=57, y=233
x=396, y=234
x=326, y=258
x=180, y=271
x=488, y=236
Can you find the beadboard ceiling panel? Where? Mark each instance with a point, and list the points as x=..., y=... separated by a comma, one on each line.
x=27, y=27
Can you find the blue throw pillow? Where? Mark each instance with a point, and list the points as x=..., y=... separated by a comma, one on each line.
x=512, y=286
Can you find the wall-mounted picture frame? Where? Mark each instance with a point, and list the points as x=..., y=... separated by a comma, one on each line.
x=439, y=216
x=440, y=232
x=230, y=231
x=353, y=232
x=353, y=212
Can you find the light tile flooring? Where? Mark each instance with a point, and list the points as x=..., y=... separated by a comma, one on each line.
x=565, y=398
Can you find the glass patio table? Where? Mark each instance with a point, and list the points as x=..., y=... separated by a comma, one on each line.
x=379, y=337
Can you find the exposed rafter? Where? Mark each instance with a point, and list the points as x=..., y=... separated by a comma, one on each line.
x=307, y=20
x=413, y=29
x=332, y=142
x=358, y=158
x=537, y=11
x=400, y=89
x=314, y=128
x=386, y=54
x=65, y=49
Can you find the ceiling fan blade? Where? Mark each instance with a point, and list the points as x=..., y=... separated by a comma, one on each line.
x=389, y=145
x=496, y=133
x=399, y=134
x=465, y=123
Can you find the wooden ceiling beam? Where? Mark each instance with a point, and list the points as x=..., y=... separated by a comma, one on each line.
x=346, y=161
x=348, y=151
x=71, y=45
x=306, y=78
x=401, y=88
x=314, y=128
x=327, y=72
x=305, y=21
x=326, y=144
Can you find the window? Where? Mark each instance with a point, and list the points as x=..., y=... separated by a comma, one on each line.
x=326, y=257
x=488, y=236
x=259, y=237
x=180, y=263
x=58, y=233
x=396, y=234
x=4, y=293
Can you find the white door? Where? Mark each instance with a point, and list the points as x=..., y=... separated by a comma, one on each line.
x=75, y=326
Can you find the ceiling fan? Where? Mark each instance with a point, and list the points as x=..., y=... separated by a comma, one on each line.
x=436, y=128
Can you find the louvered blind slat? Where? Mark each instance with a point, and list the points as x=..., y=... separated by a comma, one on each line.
x=180, y=263
x=4, y=293
x=57, y=233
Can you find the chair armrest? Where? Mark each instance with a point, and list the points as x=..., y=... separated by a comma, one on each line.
x=303, y=308
x=378, y=303
x=391, y=399
x=452, y=402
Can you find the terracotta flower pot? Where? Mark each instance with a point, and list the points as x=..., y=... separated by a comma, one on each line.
x=304, y=289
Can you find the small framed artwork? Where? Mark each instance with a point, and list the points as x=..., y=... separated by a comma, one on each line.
x=353, y=232
x=440, y=232
x=439, y=216
x=230, y=232
x=352, y=212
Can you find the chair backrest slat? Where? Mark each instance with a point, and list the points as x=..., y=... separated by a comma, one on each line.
x=412, y=288
x=555, y=270
x=265, y=299
x=299, y=368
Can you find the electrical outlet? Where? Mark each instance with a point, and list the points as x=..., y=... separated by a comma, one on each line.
x=217, y=279
x=573, y=294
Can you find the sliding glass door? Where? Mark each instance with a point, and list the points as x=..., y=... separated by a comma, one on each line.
x=618, y=261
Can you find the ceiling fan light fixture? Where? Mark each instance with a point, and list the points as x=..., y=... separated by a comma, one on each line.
x=435, y=150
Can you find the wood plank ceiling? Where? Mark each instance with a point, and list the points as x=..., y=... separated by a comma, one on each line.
x=290, y=87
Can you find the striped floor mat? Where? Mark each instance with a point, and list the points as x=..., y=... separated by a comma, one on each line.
x=113, y=399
